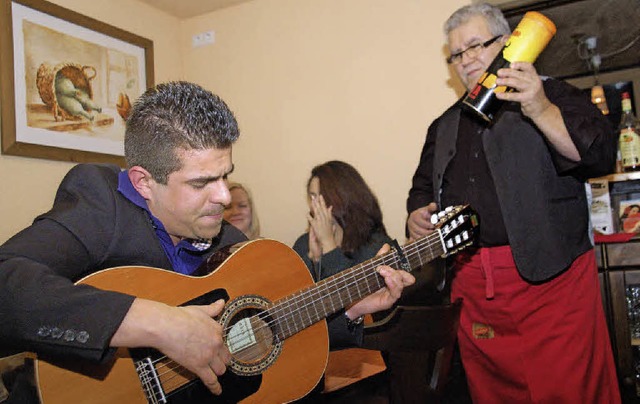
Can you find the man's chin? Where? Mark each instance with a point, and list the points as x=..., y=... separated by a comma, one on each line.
x=209, y=232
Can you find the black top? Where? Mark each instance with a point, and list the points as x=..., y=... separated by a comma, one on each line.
x=538, y=193
x=468, y=180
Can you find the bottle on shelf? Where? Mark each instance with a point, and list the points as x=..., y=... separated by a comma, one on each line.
x=629, y=139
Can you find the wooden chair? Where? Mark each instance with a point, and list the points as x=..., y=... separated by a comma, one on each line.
x=348, y=366
x=417, y=343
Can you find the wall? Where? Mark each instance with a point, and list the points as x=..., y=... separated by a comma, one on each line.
x=28, y=185
x=314, y=80
x=309, y=80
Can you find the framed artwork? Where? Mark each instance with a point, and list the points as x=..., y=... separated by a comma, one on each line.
x=67, y=82
x=629, y=216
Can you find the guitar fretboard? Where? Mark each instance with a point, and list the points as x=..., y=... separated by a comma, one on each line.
x=308, y=306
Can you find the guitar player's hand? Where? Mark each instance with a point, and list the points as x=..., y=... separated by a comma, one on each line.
x=395, y=281
x=188, y=335
x=419, y=221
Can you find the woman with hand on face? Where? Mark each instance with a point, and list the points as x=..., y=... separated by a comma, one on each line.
x=345, y=221
x=240, y=212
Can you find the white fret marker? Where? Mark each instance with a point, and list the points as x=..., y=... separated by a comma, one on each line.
x=240, y=336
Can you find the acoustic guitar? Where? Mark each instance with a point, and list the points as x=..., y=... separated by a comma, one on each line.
x=272, y=321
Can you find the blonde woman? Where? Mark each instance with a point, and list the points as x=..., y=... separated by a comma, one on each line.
x=241, y=212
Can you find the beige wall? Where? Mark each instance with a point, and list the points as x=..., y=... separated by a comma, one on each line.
x=309, y=80
x=27, y=186
x=314, y=80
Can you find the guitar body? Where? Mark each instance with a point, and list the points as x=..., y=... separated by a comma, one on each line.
x=264, y=268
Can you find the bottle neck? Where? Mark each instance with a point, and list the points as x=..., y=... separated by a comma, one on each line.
x=626, y=105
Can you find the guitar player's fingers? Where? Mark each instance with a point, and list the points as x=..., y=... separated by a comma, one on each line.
x=201, y=347
x=214, y=308
x=210, y=380
x=395, y=281
x=188, y=335
x=383, y=250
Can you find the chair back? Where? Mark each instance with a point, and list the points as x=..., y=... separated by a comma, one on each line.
x=424, y=336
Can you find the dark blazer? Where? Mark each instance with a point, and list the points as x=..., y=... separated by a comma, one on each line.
x=90, y=227
x=541, y=193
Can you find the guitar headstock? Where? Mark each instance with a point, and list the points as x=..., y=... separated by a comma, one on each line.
x=456, y=225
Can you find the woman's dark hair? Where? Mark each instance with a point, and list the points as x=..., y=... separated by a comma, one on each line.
x=355, y=207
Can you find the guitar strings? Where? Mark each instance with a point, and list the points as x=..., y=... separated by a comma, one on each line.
x=326, y=284
x=344, y=277
x=345, y=281
x=354, y=274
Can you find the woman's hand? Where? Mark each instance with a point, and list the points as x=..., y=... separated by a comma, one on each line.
x=315, y=250
x=324, y=233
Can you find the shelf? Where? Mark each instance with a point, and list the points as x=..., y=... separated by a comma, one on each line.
x=617, y=177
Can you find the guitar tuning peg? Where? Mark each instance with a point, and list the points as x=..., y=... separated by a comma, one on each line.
x=434, y=219
x=448, y=209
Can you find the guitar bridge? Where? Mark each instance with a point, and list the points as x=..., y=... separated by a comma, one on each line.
x=150, y=382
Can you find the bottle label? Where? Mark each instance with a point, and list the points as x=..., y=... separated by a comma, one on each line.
x=629, y=148
x=488, y=79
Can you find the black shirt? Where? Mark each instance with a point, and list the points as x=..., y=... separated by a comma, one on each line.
x=468, y=180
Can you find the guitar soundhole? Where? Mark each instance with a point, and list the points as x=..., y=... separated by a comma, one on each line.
x=250, y=335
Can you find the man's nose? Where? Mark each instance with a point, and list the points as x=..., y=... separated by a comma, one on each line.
x=220, y=193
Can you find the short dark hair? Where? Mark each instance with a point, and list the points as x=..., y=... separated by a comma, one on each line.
x=355, y=207
x=171, y=116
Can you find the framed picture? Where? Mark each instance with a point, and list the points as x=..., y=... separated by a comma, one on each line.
x=67, y=82
x=629, y=216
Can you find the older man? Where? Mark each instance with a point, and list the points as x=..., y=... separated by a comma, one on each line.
x=532, y=326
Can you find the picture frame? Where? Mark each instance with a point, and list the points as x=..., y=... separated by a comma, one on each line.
x=629, y=216
x=67, y=83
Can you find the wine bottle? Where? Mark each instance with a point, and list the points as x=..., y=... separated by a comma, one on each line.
x=629, y=139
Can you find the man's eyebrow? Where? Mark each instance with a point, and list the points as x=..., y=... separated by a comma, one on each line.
x=472, y=41
x=212, y=179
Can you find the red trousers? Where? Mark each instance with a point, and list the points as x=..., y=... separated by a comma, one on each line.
x=533, y=343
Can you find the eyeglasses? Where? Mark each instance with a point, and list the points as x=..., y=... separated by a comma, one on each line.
x=471, y=51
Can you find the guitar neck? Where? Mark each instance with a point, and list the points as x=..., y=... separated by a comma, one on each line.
x=308, y=306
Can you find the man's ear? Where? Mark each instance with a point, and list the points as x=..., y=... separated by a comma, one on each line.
x=141, y=180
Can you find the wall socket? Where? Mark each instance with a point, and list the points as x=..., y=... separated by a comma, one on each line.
x=203, y=38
